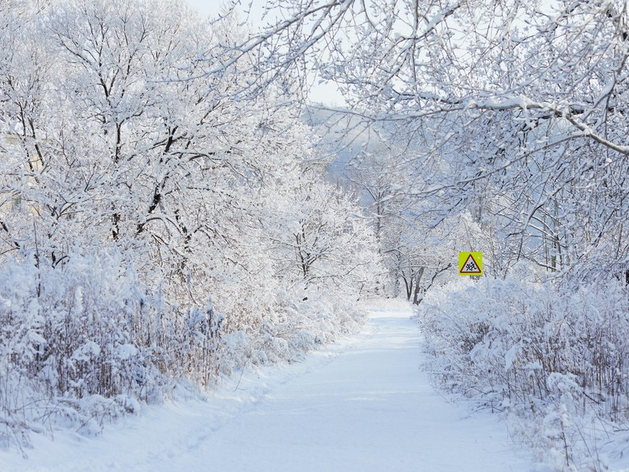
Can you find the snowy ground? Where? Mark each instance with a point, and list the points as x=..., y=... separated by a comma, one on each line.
x=361, y=405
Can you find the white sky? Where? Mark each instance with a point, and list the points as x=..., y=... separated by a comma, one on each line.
x=326, y=94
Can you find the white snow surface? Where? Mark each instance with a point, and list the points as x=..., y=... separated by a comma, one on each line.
x=363, y=404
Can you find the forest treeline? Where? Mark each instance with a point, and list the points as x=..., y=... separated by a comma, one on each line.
x=157, y=228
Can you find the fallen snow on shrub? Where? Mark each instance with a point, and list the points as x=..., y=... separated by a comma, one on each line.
x=86, y=343
x=553, y=358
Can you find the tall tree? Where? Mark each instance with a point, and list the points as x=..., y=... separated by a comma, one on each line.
x=528, y=93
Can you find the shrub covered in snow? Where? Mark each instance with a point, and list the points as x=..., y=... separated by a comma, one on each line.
x=536, y=349
x=85, y=342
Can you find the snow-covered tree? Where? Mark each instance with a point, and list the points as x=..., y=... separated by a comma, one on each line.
x=157, y=221
x=528, y=93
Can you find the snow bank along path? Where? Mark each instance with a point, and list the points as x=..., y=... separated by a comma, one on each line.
x=361, y=405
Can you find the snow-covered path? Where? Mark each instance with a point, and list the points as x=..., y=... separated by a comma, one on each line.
x=363, y=405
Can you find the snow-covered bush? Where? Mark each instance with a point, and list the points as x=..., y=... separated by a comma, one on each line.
x=535, y=349
x=68, y=334
x=86, y=341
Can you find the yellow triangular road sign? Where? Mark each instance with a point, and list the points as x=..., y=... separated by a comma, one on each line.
x=470, y=263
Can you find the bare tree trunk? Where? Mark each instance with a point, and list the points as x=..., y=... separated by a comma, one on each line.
x=418, y=279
